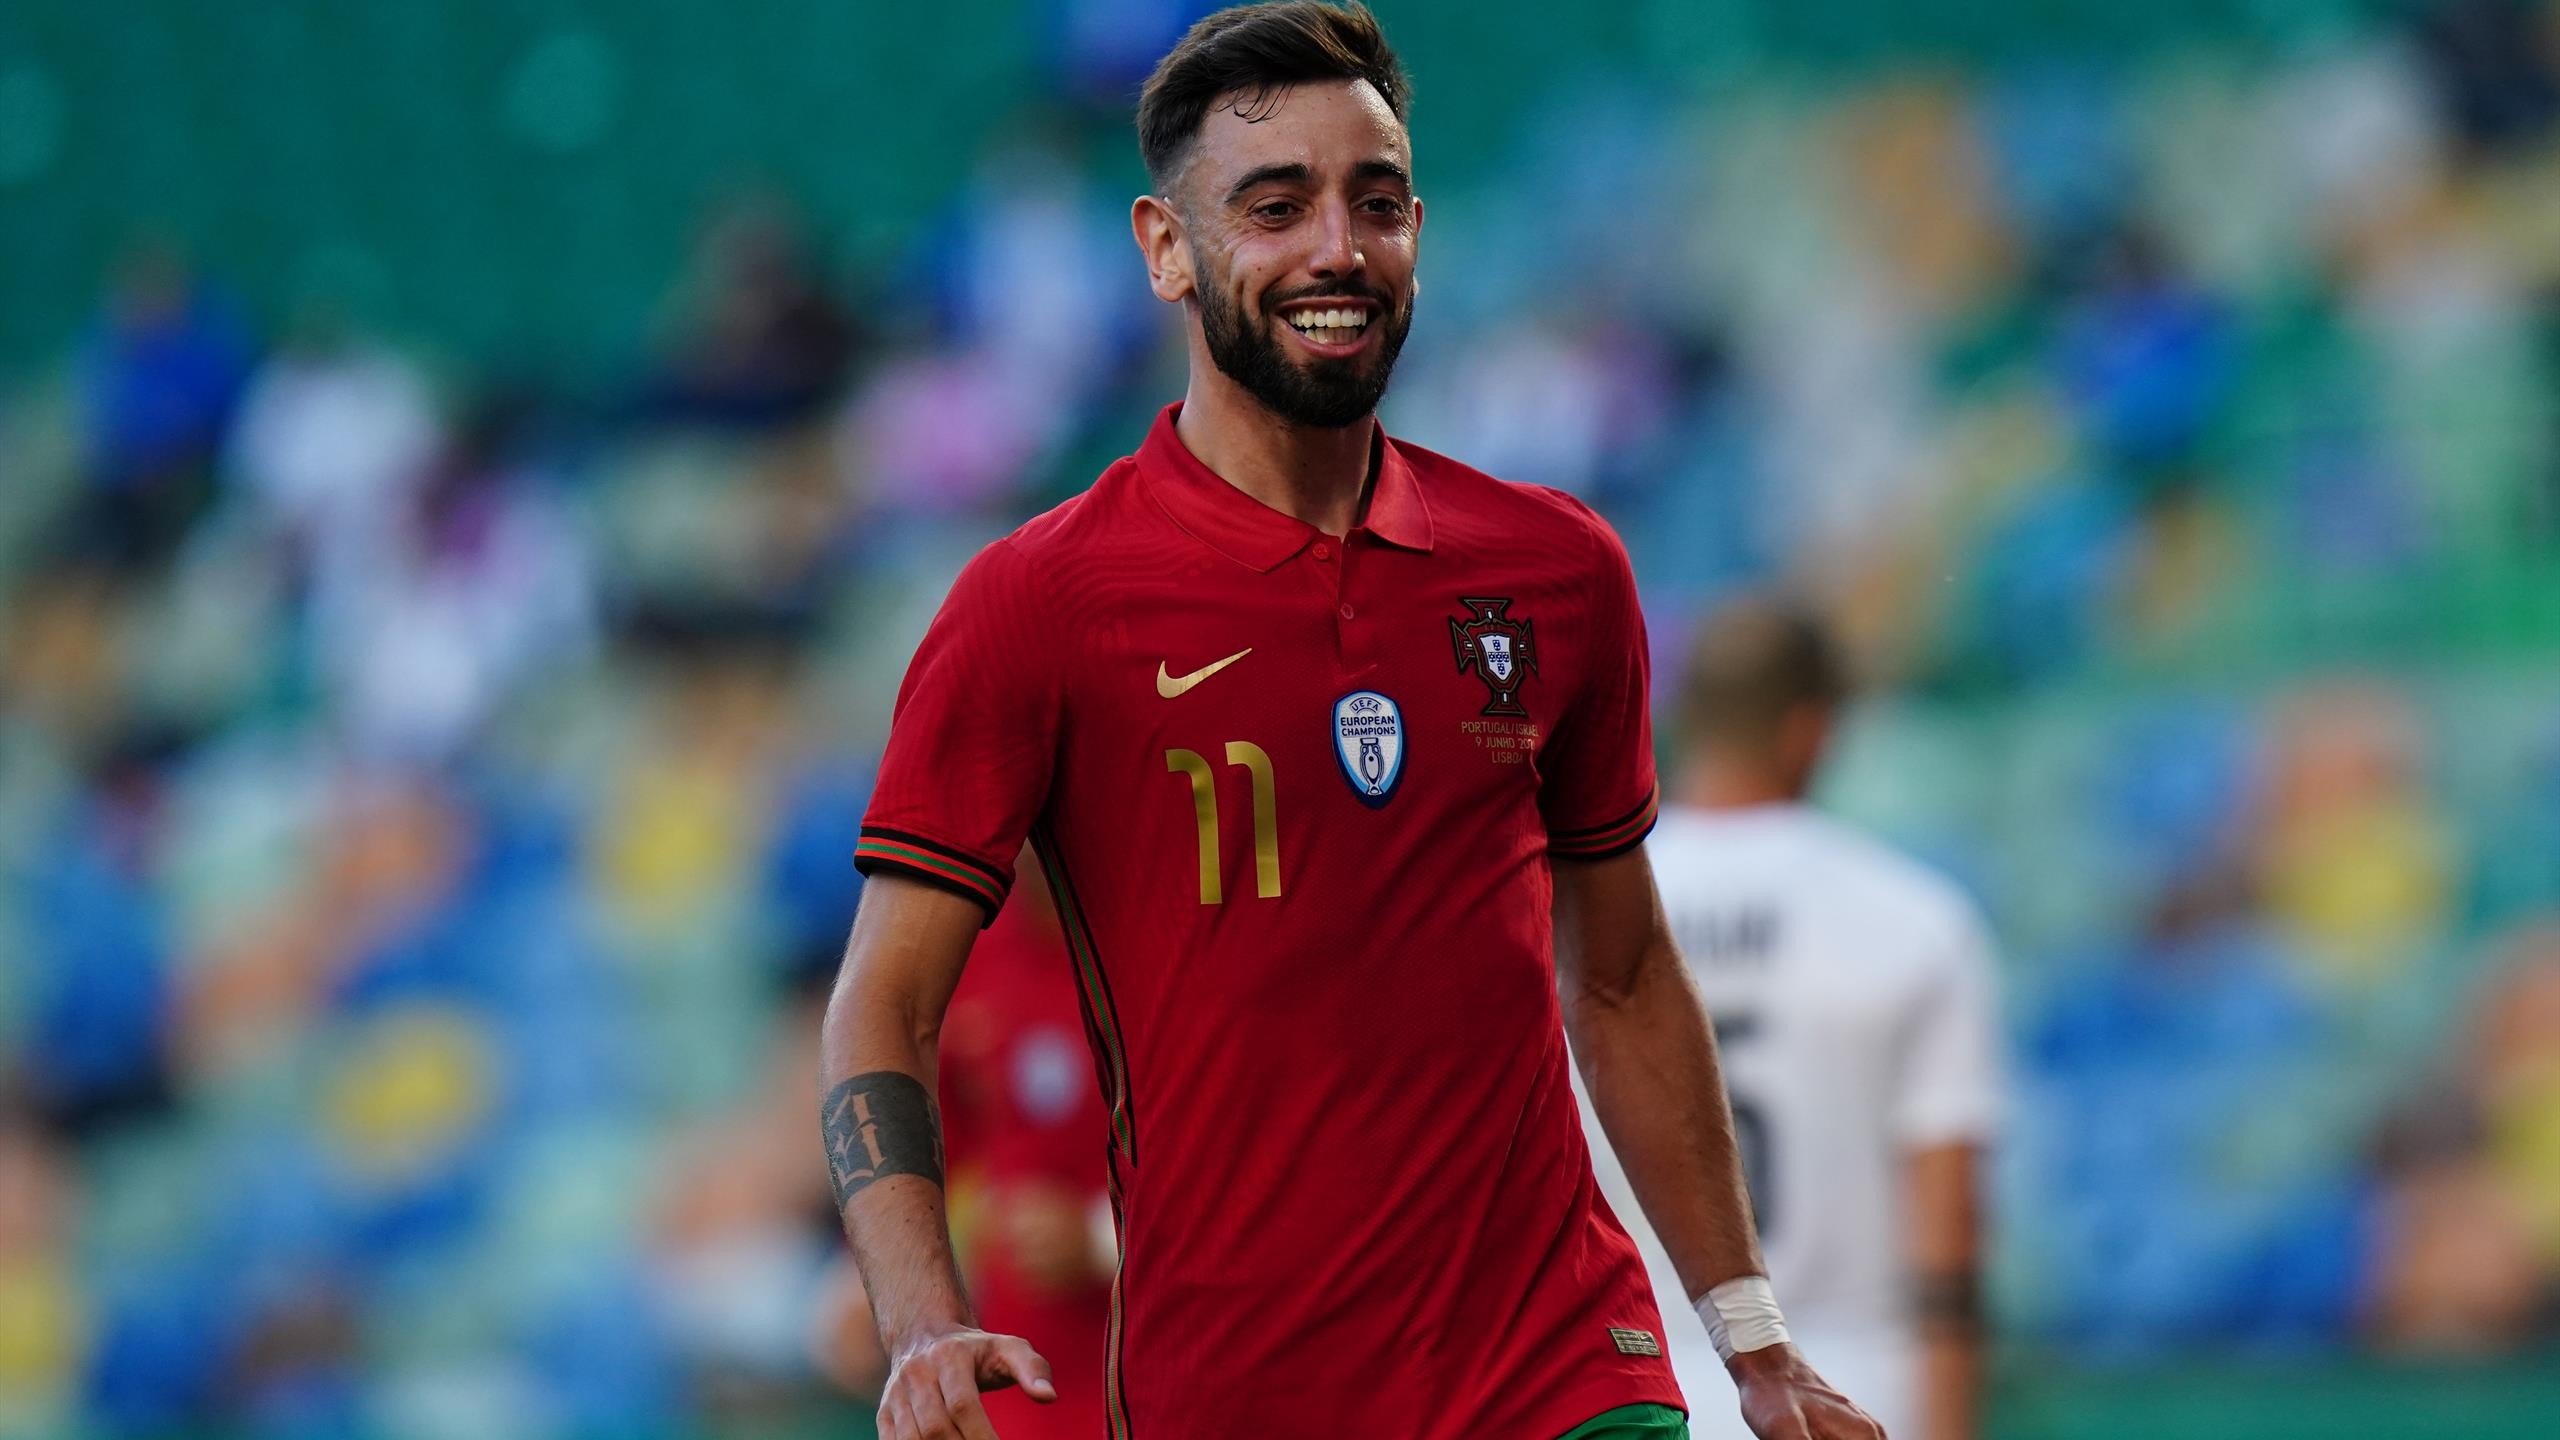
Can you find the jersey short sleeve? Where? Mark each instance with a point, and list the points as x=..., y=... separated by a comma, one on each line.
x=1598, y=794
x=973, y=738
x=1951, y=1091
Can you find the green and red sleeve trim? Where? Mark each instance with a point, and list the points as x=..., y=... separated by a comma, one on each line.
x=1600, y=842
x=903, y=852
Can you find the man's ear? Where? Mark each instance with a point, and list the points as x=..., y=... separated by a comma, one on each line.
x=1414, y=287
x=1158, y=231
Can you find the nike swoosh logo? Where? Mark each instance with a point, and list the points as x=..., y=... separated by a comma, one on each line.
x=1168, y=686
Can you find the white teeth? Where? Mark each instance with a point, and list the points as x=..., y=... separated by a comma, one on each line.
x=1310, y=321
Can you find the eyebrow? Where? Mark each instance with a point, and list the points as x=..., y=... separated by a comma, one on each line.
x=1300, y=174
x=1264, y=175
x=1382, y=170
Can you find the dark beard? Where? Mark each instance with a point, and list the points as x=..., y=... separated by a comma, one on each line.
x=1324, y=396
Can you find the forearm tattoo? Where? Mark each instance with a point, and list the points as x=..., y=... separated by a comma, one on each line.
x=878, y=1125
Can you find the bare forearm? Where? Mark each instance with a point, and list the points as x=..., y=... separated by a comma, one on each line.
x=901, y=1238
x=1649, y=1060
x=884, y=1154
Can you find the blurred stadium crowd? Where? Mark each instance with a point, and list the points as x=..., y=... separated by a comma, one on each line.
x=426, y=784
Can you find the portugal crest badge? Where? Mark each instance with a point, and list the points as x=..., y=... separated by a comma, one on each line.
x=1498, y=648
x=1368, y=738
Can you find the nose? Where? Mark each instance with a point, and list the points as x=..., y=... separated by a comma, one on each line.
x=1337, y=243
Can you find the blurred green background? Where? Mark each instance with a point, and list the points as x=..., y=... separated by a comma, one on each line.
x=411, y=150
x=470, y=475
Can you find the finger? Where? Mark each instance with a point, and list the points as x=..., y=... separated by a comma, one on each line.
x=1016, y=1362
x=895, y=1422
x=960, y=1398
x=924, y=1406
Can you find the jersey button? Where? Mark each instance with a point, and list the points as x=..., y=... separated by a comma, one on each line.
x=1346, y=612
x=1323, y=551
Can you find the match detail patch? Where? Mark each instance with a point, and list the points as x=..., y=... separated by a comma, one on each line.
x=1634, y=1342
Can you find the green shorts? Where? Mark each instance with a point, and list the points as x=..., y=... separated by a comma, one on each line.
x=1633, y=1422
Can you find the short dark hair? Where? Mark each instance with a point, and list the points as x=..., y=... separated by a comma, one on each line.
x=1250, y=50
x=1756, y=661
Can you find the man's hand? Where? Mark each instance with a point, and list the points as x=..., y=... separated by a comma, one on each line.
x=1782, y=1399
x=934, y=1382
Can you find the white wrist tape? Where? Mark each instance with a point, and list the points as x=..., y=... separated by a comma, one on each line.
x=1742, y=1315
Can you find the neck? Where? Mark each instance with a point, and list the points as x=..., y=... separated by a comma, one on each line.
x=1717, y=781
x=1315, y=475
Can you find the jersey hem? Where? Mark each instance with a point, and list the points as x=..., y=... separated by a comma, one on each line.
x=1570, y=1410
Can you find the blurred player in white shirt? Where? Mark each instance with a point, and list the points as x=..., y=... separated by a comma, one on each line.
x=1853, y=1000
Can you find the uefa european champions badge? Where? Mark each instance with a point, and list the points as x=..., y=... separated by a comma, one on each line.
x=1368, y=738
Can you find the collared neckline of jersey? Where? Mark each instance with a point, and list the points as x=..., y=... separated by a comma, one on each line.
x=1245, y=530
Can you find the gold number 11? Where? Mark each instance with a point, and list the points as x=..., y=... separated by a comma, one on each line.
x=1204, y=808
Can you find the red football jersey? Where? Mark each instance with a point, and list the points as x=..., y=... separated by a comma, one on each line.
x=1297, y=798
